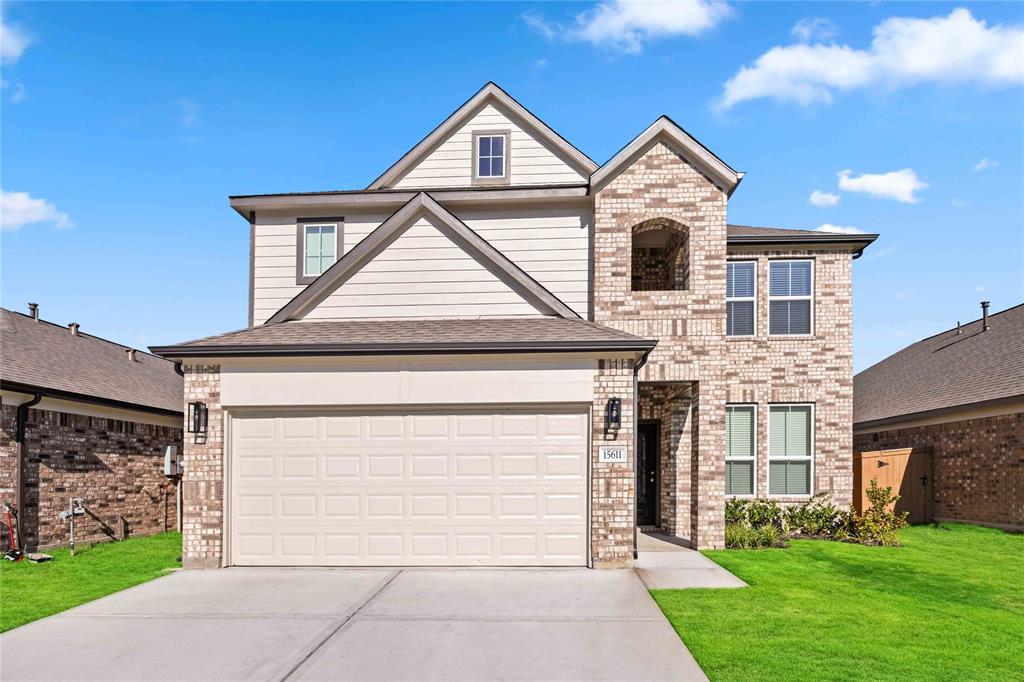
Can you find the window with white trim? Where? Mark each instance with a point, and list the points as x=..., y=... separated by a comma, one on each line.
x=789, y=297
x=320, y=248
x=790, y=449
x=740, y=423
x=490, y=156
x=740, y=297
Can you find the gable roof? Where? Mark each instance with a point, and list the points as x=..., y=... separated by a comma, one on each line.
x=41, y=355
x=945, y=371
x=667, y=131
x=419, y=206
x=492, y=94
x=410, y=337
x=748, y=234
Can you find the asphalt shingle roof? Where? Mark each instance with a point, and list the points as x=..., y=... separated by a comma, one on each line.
x=946, y=370
x=415, y=334
x=45, y=355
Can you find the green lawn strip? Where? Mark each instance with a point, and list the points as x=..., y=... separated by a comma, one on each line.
x=31, y=591
x=948, y=604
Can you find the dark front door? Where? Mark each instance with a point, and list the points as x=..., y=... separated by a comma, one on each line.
x=647, y=474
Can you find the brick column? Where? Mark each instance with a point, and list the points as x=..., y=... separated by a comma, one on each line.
x=707, y=468
x=612, y=484
x=203, y=477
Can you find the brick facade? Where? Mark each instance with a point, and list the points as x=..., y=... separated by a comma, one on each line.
x=114, y=465
x=693, y=354
x=203, y=478
x=977, y=466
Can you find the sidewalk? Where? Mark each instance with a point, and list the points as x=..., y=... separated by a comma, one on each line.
x=664, y=563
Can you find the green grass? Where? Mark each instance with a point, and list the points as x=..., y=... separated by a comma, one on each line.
x=947, y=605
x=31, y=591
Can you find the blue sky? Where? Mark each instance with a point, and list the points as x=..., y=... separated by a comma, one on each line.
x=126, y=126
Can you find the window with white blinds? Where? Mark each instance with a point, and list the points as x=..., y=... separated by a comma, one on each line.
x=740, y=297
x=790, y=449
x=740, y=423
x=789, y=297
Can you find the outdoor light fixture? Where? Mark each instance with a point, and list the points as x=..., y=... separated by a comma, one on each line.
x=198, y=415
x=613, y=414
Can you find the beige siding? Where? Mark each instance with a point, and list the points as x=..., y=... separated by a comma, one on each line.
x=550, y=245
x=450, y=164
x=422, y=274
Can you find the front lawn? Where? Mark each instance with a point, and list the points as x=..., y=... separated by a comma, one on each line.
x=30, y=591
x=947, y=605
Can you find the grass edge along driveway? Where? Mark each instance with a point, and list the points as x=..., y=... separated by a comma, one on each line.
x=30, y=591
x=947, y=605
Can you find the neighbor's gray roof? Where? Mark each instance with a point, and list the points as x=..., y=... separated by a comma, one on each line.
x=752, y=234
x=337, y=337
x=945, y=371
x=43, y=355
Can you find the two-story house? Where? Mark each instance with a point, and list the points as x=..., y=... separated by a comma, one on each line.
x=502, y=353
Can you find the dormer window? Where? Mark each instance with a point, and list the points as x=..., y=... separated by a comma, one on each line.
x=490, y=157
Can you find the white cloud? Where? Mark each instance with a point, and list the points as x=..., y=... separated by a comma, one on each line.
x=188, y=112
x=985, y=164
x=838, y=229
x=19, y=208
x=979, y=288
x=899, y=185
x=541, y=63
x=904, y=51
x=957, y=202
x=626, y=25
x=814, y=28
x=13, y=42
x=819, y=198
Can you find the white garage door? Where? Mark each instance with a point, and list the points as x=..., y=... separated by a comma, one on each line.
x=497, y=488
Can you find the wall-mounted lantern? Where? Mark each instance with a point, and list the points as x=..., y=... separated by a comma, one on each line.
x=198, y=415
x=613, y=414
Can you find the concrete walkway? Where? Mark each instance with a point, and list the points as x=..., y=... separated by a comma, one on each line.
x=664, y=562
x=363, y=624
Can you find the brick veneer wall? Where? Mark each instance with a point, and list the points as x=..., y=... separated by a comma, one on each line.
x=115, y=466
x=203, y=477
x=977, y=466
x=612, y=484
x=692, y=346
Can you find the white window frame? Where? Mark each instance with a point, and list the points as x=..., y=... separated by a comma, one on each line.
x=809, y=297
x=753, y=458
x=731, y=299
x=769, y=458
x=506, y=159
x=334, y=255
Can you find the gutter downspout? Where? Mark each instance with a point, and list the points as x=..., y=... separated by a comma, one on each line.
x=19, y=437
x=636, y=418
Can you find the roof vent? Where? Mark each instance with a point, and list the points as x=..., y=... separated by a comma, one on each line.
x=958, y=327
x=984, y=316
x=33, y=311
x=131, y=354
x=74, y=328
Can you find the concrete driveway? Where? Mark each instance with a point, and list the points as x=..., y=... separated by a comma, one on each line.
x=318, y=624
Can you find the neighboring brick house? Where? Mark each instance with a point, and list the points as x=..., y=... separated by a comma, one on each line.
x=82, y=417
x=478, y=358
x=957, y=397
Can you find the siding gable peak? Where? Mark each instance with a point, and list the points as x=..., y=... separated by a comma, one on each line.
x=538, y=154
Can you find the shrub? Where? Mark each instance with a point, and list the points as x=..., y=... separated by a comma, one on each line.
x=819, y=517
x=878, y=524
x=742, y=536
x=762, y=513
x=735, y=511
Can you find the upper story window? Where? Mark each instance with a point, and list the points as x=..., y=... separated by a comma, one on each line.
x=740, y=297
x=490, y=156
x=659, y=258
x=317, y=247
x=790, y=284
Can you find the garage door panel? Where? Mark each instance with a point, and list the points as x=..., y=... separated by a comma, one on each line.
x=415, y=489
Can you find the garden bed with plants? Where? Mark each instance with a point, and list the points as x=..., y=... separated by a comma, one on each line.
x=758, y=523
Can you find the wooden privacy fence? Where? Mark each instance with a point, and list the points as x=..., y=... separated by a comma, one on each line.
x=907, y=470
